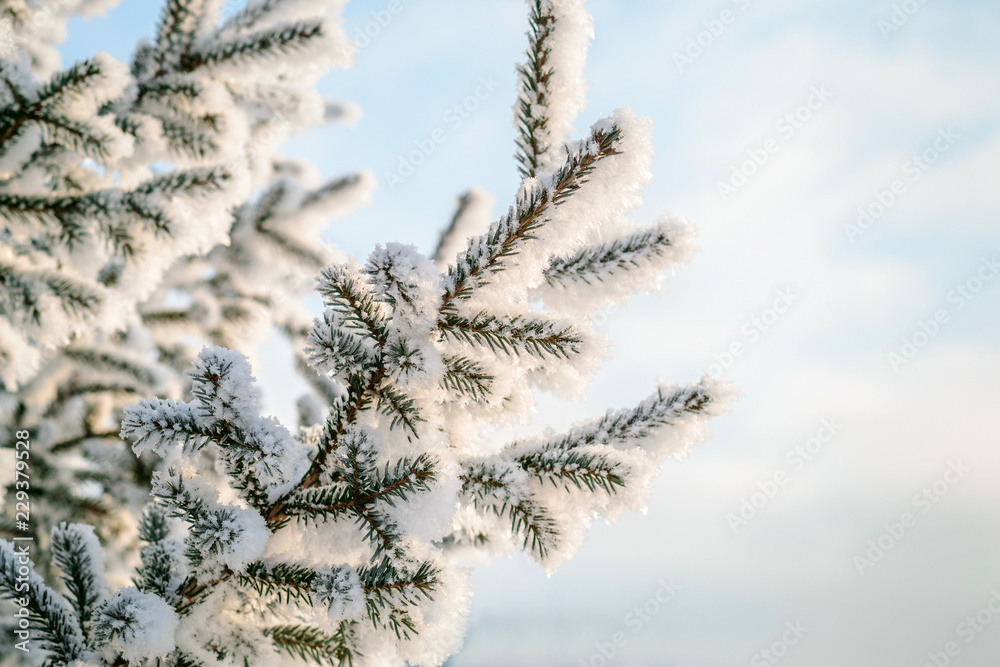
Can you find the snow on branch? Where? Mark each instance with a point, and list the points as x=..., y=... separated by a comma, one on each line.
x=666, y=424
x=78, y=554
x=146, y=214
x=513, y=335
x=551, y=87
x=549, y=490
x=605, y=274
x=56, y=623
x=492, y=251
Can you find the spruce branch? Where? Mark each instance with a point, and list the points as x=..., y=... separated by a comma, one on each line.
x=285, y=582
x=496, y=489
x=58, y=626
x=630, y=426
x=179, y=499
x=312, y=644
x=534, y=92
x=161, y=568
x=254, y=450
x=260, y=46
x=465, y=377
x=160, y=571
x=82, y=138
x=401, y=408
x=360, y=486
x=576, y=468
x=392, y=357
x=75, y=550
x=599, y=262
x=513, y=335
x=330, y=191
x=389, y=591
x=67, y=84
x=46, y=108
x=295, y=249
x=180, y=22
x=344, y=292
x=249, y=15
x=333, y=350
x=488, y=253
x=63, y=215
x=153, y=525
x=186, y=138
x=158, y=424
x=21, y=298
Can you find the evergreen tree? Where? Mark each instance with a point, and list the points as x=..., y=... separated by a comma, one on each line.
x=338, y=542
x=145, y=211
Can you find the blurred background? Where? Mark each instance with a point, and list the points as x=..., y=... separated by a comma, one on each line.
x=841, y=161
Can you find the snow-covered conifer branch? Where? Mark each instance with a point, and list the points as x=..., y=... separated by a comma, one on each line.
x=283, y=211
x=50, y=108
x=58, y=626
x=551, y=86
x=263, y=45
x=466, y=377
x=665, y=422
x=604, y=274
x=575, y=467
x=513, y=335
x=333, y=350
x=313, y=645
x=113, y=361
x=179, y=497
x=488, y=253
x=138, y=626
x=390, y=593
x=162, y=570
x=26, y=290
x=599, y=262
x=597, y=459
x=78, y=554
x=331, y=543
x=286, y=583
x=345, y=292
x=360, y=489
x=259, y=453
x=498, y=487
x=158, y=425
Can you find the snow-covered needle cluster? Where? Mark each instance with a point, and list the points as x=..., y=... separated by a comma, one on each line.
x=145, y=211
x=341, y=541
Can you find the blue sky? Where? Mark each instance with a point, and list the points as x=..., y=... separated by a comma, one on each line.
x=783, y=230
